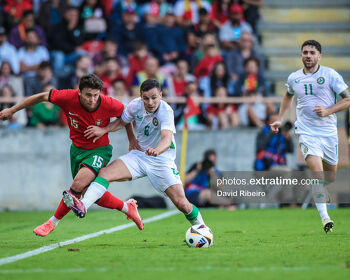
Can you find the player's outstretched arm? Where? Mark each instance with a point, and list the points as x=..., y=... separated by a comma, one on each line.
x=163, y=145
x=27, y=102
x=97, y=132
x=339, y=106
x=285, y=104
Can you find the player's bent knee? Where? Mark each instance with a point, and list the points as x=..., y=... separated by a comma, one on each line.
x=78, y=186
x=103, y=173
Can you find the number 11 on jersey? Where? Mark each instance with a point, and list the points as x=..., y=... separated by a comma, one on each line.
x=306, y=86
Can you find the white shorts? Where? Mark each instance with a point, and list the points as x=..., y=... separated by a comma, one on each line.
x=161, y=172
x=324, y=147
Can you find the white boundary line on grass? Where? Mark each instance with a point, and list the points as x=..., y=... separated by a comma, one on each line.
x=195, y=268
x=82, y=238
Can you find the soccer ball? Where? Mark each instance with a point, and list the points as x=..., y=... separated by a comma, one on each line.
x=199, y=236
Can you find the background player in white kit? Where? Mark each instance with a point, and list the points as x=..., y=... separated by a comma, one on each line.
x=316, y=88
x=154, y=130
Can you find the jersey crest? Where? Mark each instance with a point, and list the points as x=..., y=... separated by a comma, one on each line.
x=320, y=80
x=98, y=122
x=155, y=121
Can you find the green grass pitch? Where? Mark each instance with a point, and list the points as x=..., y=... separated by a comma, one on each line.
x=248, y=244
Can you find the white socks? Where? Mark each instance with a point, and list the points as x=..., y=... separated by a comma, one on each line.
x=319, y=194
x=197, y=221
x=322, y=210
x=54, y=220
x=94, y=192
x=125, y=208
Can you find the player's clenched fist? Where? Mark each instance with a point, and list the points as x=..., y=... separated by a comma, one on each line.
x=321, y=111
x=275, y=126
x=6, y=114
x=152, y=152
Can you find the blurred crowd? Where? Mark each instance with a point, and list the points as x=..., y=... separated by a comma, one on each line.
x=192, y=47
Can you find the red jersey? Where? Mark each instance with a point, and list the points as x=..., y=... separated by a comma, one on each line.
x=79, y=118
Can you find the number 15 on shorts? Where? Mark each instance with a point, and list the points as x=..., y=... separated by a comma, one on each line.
x=98, y=162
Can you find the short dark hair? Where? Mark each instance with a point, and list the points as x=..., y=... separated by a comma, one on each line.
x=45, y=64
x=252, y=58
x=118, y=80
x=90, y=81
x=27, y=13
x=149, y=84
x=190, y=82
x=110, y=58
x=139, y=46
x=208, y=153
x=30, y=29
x=314, y=43
x=202, y=11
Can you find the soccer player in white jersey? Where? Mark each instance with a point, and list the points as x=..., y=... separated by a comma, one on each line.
x=317, y=89
x=154, y=129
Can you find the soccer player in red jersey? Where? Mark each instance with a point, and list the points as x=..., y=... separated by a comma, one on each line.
x=84, y=107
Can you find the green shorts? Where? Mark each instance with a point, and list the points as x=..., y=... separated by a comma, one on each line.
x=93, y=159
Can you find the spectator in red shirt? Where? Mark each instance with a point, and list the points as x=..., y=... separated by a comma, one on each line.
x=220, y=11
x=137, y=61
x=15, y=9
x=111, y=73
x=222, y=115
x=178, y=80
x=204, y=25
x=110, y=49
x=211, y=57
x=119, y=91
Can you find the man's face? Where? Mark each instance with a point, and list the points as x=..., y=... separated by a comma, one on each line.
x=151, y=99
x=111, y=48
x=32, y=39
x=84, y=63
x=191, y=89
x=89, y=98
x=252, y=67
x=129, y=18
x=29, y=20
x=192, y=40
x=169, y=20
x=246, y=41
x=310, y=56
x=5, y=69
x=236, y=18
x=45, y=72
x=151, y=66
x=72, y=15
x=182, y=67
x=112, y=66
x=204, y=18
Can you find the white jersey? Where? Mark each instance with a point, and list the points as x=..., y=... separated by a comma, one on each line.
x=148, y=126
x=319, y=88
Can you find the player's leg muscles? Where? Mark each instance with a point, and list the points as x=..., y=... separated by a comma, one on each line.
x=177, y=195
x=314, y=163
x=330, y=172
x=83, y=179
x=116, y=171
